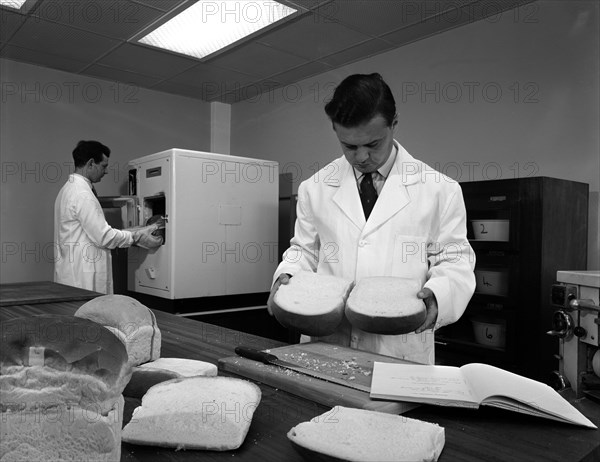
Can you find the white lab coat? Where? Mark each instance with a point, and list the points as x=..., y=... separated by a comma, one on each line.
x=417, y=230
x=83, y=238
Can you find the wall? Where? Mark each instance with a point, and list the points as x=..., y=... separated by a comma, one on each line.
x=510, y=96
x=43, y=114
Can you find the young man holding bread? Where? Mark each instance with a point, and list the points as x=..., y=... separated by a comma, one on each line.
x=82, y=237
x=377, y=211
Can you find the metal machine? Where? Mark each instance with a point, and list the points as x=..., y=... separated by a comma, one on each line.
x=221, y=231
x=576, y=323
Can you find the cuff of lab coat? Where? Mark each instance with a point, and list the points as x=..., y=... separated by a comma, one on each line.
x=440, y=286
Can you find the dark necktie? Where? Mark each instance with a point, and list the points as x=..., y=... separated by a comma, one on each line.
x=368, y=194
x=94, y=191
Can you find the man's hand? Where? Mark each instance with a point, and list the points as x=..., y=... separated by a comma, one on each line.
x=428, y=297
x=143, y=237
x=282, y=279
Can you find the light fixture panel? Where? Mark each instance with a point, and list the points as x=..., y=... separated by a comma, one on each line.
x=209, y=26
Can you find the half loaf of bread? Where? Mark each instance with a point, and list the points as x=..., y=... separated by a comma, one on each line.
x=133, y=323
x=347, y=434
x=163, y=369
x=311, y=303
x=212, y=413
x=386, y=305
x=61, y=380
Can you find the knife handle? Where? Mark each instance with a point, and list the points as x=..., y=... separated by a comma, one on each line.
x=256, y=355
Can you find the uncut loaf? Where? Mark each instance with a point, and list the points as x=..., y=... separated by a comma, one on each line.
x=348, y=434
x=311, y=303
x=386, y=305
x=212, y=413
x=133, y=323
x=61, y=380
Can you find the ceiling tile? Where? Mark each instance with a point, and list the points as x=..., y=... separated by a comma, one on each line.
x=360, y=51
x=213, y=79
x=48, y=37
x=429, y=27
x=183, y=90
x=113, y=18
x=9, y=23
x=164, y=5
x=257, y=59
x=145, y=60
x=41, y=58
x=312, y=36
x=118, y=75
x=302, y=72
x=376, y=17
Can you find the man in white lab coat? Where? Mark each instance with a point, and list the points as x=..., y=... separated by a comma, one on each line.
x=416, y=229
x=82, y=237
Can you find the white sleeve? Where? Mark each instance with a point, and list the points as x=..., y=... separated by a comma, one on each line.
x=303, y=253
x=451, y=262
x=88, y=211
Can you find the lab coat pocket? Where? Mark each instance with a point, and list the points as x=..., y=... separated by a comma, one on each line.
x=410, y=257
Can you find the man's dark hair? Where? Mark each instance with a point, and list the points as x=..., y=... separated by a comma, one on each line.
x=359, y=98
x=86, y=150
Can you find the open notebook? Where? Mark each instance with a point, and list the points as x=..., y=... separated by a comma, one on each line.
x=472, y=385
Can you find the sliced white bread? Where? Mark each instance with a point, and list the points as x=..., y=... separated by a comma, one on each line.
x=386, y=305
x=149, y=374
x=134, y=324
x=347, y=434
x=212, y=413
x=61, y=380
x=311, y=303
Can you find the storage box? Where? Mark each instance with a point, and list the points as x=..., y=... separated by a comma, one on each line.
x=491, y=230
x=490, y=332
x=491, y=282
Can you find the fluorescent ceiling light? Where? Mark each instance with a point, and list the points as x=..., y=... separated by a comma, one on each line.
x=16, y=4
x=208, y=25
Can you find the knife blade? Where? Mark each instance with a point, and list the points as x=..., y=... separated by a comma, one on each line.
x=268, y=358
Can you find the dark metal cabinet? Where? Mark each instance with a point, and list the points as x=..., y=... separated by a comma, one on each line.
x=542, y=224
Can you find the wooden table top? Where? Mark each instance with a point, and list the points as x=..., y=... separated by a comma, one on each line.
x=471, y=435
x=27, y=293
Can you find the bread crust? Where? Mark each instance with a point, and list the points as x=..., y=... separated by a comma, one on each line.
x=386, y=305
x=292, y=303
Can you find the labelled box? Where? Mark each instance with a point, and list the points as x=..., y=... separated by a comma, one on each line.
x=491, y=282
x=491, y=230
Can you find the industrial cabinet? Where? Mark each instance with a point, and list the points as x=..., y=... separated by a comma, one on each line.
x=523, y=231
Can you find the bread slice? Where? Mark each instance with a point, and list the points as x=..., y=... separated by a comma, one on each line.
x=163, y=369
x=386, y=305
x=212, y=413
x=347, y=434
x=311, y=303
x=133, y=323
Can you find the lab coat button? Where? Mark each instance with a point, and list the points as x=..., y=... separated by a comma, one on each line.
x=362, y=243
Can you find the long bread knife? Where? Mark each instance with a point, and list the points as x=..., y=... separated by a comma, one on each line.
x=268, y=358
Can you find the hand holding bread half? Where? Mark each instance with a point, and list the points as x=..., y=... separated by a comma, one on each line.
x=61, y=384
x=386, y=305
x=311, y=303
x=348, y=434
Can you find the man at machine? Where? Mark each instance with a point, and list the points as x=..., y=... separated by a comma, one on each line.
x=83, y=239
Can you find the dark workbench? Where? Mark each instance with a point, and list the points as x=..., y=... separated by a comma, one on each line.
x=486, y=434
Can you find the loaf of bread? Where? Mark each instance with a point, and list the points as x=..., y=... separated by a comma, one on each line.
x=347, y=434
x=311, y=303
x=128, y=319
x=163, y=369
x=212, y=413
x=61, y=383
x=386, y=305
